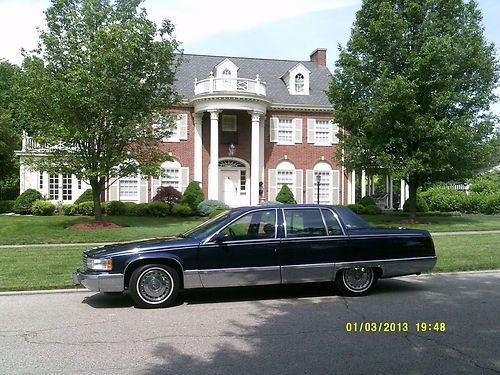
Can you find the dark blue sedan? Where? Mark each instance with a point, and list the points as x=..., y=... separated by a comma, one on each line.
x=280, y=244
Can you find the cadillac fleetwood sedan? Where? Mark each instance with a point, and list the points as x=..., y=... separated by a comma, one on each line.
x=280, y=244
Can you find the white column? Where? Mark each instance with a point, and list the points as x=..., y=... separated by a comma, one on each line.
x=363, y=183
x=198, y=151
x=404, y=193
x=213, y=174
x=254, y=158
x=261, y=149
x=391, y=193
x=353, y=188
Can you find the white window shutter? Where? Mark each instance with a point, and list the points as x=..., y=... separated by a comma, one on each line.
x=298, y=185
x=184, y=178
x=333, y=136
x=311, y=135
x=272, y=185
x=273, y=130
x=335, y=181
x=309, y=186
x=297, y=126
x=182, y=126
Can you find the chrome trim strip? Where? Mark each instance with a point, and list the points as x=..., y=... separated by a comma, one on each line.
x=213, y=278
x=303, y=273
x=238, y=269
x=362, y=236
x=323, y=238
x=394, y=267
x=192, y=279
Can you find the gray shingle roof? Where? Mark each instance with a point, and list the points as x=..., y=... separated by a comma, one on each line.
x=269, y=70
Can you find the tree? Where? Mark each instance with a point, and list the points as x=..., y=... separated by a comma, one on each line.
x=94, y=88
x=10, y=135
x=412, y=90
x=285, y=195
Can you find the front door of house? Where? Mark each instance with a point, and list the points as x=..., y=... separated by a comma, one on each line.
x=229, y=186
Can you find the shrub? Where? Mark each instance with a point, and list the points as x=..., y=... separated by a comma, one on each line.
x=142, y=209
x=269, y=203
x=205, y=208
x=6, y=206
x=285, y=195
x=168, y=194
x=444, y=200
x=181, y=209
x=86, y=208
x=192, y=196
x=43, y=208
x=487, y=183
x=70, y=209
x=492, y=204
x=372, y=210
x=85, y=197
x=367, y=201
x=158, y=209
x=357, y=208
x=421, y=205
x=129, y=208
x=115, y=208
x=22, y=205
x=475, y=203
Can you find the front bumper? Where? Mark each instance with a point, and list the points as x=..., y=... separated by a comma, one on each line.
x=100, y=282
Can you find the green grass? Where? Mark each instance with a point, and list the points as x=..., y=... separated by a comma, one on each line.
x=51, y=268
x=52, y=229
x=437, y=223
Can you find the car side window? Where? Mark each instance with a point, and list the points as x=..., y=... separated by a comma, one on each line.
x=304, y=223
x=253, y=226
x=332, y=224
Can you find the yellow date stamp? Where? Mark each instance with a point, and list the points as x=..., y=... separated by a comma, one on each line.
x=368, y=327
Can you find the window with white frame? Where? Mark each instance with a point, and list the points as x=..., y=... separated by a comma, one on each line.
x=171, y=177
x=299, y=83
x=40, y=181
x=285, y=174
x=173, y=174
x=129, y=188
x=323, y=132
x=67, y=191
x=284, y=177
x=328, y=184
x=285, y=130
x=324, y=186
x=226, y=76
x=54, y=187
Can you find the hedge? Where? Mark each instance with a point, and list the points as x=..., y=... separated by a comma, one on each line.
x=6, y=206
x=43, y=208
x=451, y=200
x=22, y=205
x=86, y=196
x=206, y=207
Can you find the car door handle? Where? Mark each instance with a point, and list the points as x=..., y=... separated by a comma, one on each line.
x=275, y=250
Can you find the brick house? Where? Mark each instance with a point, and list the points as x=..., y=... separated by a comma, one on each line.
x=262, y=123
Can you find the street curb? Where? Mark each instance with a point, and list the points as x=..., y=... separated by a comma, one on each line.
x=85, y=290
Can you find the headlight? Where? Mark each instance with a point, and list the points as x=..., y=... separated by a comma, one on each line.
x=100, y=264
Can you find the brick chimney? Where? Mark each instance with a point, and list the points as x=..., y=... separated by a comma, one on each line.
x=318, y=56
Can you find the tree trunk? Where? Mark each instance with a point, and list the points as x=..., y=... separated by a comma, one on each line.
x=412, y=198
x=96, y=195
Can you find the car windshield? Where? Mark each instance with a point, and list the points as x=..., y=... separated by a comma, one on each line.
x=350, y=219
x=206, y=227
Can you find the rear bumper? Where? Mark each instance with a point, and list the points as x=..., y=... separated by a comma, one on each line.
x=98, y=282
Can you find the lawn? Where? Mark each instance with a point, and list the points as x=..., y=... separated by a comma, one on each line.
x=436, y=223
x=53, y=229
x=51, y=268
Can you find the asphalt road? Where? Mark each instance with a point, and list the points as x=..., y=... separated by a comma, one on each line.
x=266, y=330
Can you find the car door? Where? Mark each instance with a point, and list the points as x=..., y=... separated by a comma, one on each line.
x=245, y=252
x=313, y=237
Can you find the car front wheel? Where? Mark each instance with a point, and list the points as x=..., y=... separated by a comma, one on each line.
x=356, y=281
x=154, y=285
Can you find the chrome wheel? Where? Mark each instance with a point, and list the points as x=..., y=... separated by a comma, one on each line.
x=356, y=281
x=155, y=285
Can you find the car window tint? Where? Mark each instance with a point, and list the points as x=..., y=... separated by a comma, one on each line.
x=255, y=225
x=304, y=223
x=332, y=224
x=350, y=219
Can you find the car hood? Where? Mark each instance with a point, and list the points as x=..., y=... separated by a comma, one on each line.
x=160, y=243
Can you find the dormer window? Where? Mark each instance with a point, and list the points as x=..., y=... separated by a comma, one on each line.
x=299, y=83
x=297, y=80
x=226, y=76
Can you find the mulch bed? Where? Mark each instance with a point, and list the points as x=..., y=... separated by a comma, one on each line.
x=92, y=225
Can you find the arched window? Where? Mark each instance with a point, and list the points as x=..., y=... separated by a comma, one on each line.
x=285, y=175
x=299, y=82
x=170, y=175
x=328, y=184
x=226, y=76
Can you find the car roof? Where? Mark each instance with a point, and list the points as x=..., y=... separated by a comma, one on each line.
x=274, y=206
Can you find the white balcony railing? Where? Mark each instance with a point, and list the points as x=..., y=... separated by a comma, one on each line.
x=212, y=84
x=29, y=144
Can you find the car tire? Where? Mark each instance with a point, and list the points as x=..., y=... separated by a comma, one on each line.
x=154, y=286
x=356, y=281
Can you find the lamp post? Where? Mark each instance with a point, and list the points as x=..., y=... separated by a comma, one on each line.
x=318, y=181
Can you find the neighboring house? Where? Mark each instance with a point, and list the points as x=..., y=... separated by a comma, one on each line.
x=245, y=127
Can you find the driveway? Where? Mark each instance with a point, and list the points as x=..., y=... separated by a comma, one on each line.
x=265, y=330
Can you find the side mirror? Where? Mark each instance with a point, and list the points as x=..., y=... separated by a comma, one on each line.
x=221, y=237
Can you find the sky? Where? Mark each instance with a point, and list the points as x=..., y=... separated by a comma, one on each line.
x=280, y=29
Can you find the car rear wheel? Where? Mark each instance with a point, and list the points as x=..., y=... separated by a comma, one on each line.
x=154, y=285
x=356, y=281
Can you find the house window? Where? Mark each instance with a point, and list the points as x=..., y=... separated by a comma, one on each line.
x=285, y=130
x=323, y=130
x=284, y=177
x=40, y=181
x=54, y=187
x=229, y=123
x=67, y=193
x=226, y=76
x=299, y=82
x=129, y=188
x=243, y=180
x=324, y=186
x=171, y=177
x=79, y=184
